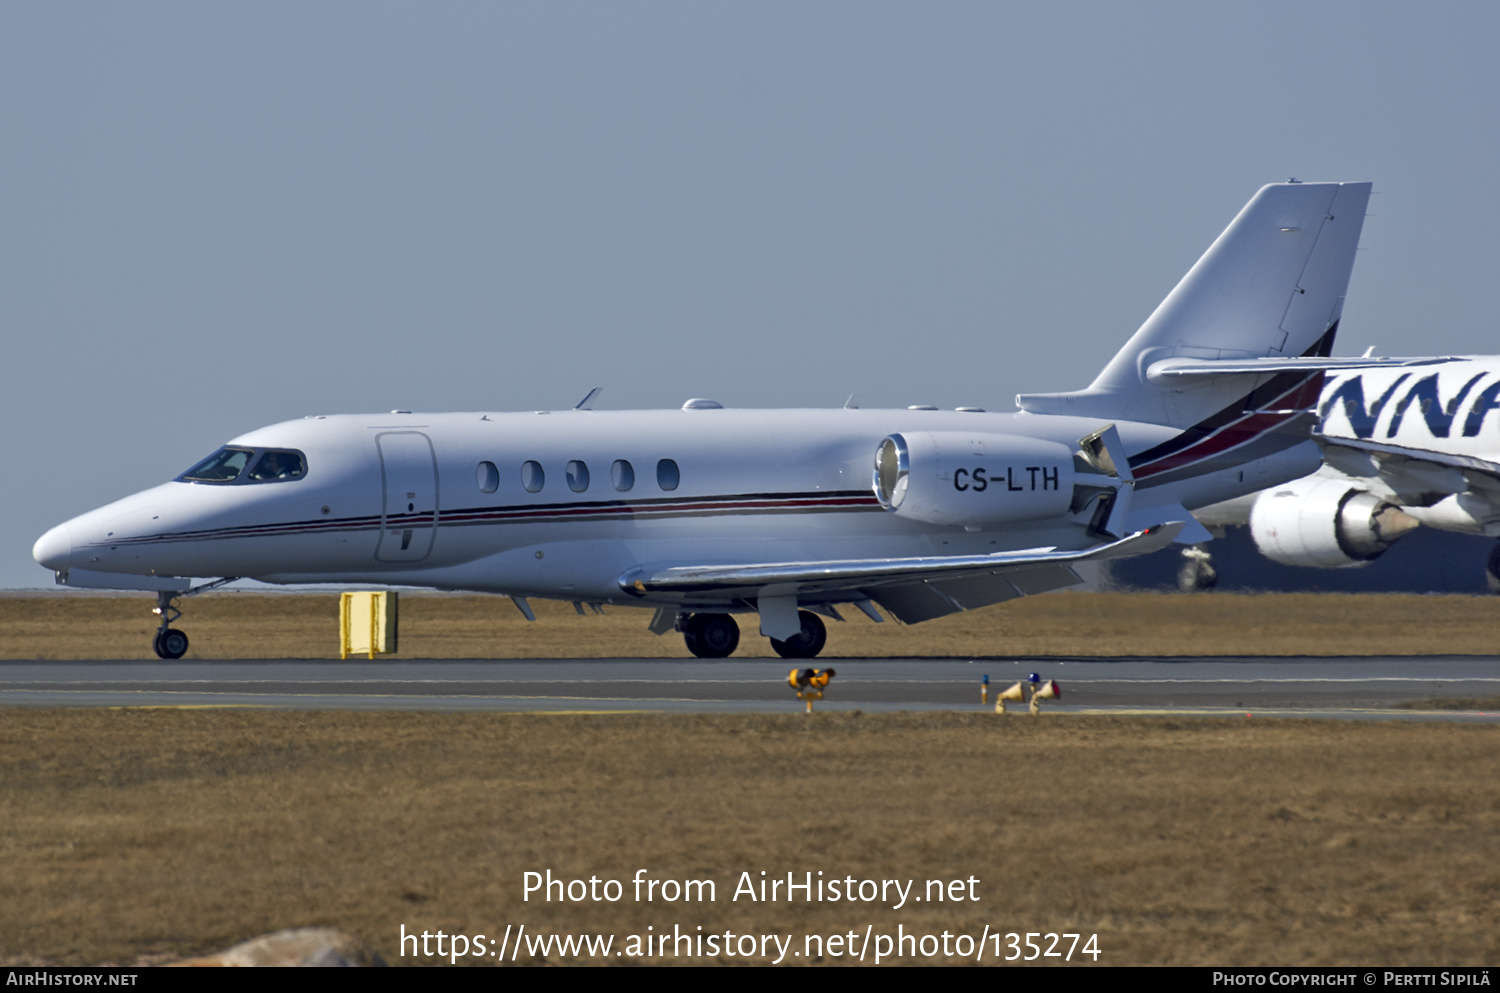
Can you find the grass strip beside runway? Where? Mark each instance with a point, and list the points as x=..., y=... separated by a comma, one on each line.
x=246, y=625
x=135, y=835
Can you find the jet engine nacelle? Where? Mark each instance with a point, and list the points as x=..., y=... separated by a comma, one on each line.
x=1325, y=524
x=972, y=480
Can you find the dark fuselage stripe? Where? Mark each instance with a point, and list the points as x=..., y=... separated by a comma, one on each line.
x=799, y=503
x=1293, y=391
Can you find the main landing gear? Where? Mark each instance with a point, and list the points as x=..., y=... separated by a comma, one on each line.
x=1492, y=570
x=711, y=636
x=805, y=644
x=170, y=643
x=716, y=636
x=1197, y=573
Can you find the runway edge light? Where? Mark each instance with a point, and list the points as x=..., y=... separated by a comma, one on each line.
x=1015, y=692
x=1046, y=691
x=809, y=684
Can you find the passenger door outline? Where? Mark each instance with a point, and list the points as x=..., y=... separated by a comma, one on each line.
x=409, y=507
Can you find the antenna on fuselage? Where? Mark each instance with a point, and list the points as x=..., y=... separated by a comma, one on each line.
x=586, y=402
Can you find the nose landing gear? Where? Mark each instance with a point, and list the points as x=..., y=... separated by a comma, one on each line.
x=170, y=643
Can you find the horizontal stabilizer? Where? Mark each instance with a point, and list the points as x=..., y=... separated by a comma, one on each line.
x=1171, y=368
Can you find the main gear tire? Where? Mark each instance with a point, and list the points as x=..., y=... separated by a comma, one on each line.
x=711, y=636
x=807, y=643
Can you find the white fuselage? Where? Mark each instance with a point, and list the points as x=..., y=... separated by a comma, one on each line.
x=411, y=499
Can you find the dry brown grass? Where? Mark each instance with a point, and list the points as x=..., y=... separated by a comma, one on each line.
x=251, y=625
x=128, y=834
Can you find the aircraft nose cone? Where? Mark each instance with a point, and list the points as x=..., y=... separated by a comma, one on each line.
x=54, y=549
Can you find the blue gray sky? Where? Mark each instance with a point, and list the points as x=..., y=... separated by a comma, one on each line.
x=215, y=216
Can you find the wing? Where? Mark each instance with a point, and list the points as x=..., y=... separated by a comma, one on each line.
x=912, y=589
x=1418, y=477
x=1384, y=454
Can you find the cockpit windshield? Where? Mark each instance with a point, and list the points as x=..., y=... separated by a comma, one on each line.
x=278, y=464
x=228, y=465
x=223, y=466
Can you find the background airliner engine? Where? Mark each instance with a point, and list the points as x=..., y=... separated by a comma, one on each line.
x=1325, y=523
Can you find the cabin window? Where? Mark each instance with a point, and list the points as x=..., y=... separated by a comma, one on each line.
x=578, y=476
x=532, y=477
x=278, y=464
x=622, y=475
x=488, y=477
x=667, y=475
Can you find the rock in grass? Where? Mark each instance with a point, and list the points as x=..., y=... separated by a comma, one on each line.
x=310, y=946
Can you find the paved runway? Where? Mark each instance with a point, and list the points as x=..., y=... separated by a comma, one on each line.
x=1368, y=688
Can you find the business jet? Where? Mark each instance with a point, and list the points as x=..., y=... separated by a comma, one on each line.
x=705, y=513
x=1407, y=444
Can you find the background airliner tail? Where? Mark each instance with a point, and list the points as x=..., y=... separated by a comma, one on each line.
x=1272, y=285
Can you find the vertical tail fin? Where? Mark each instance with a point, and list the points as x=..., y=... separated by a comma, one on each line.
x=1272, y=285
